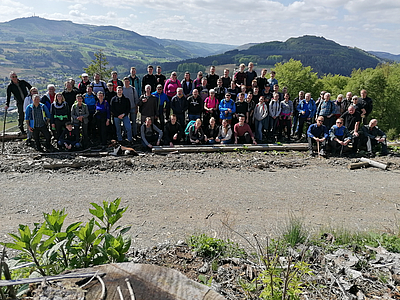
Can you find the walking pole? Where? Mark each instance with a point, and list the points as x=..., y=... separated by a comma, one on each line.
x=319, y=156
x=341, y=151
x=4, y=131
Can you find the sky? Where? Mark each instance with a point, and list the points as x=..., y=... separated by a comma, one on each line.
x=372, y=25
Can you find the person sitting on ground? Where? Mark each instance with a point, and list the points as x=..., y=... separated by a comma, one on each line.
x=80, y=118
x=351, y=120
x=37, y=117
x=243, y=133
x=151, y=134
x=196, y=134
x=319, y=133
x=372, y=136
x=340, y=137
x=225, y=133
x=173, y=132
x=212, y=131
x=69, y=138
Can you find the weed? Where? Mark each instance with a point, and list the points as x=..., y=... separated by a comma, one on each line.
x=211, y=247
x=203, y=279
x=294, y=232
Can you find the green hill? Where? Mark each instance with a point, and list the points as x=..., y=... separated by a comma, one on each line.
x=323, y=55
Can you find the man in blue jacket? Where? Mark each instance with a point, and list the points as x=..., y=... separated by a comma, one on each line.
x=37, y=117
x=317, y=133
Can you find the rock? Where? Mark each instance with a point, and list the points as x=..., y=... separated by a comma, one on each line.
x=205, y=268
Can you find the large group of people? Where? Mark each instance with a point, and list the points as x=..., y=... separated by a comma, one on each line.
x=156, y=110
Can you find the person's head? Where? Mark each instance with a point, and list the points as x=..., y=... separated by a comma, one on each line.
x=276, y=87
x=224, y=123
x=354, y=99
x=159, y=88
x=233, y=84
x=339, y=98
x=263, y=73
x=51, y=89
x=158, y=69
x=173, y=76
x=79, y=99
x=351, y=109
x=173, y=119
x=114, y=75
x=148, y=121
x=219, y=82
x=187, y=76
x=212, y=70
x=254, y=83
x=267, y=87
x=147, y=89
x=100, y=95
x=13, y=77
x=68, y=85
x=284, y=90
x=249, y=96
x=36, y=99
x=226, y=72
x=243, y=88
x=321, y=95
x=195, y=93
x=287, y=97
x=308, y=96
x=133, y=71
x=301, y=95
x=320, y=121
x=250, y=66
x=228, y=96
x=33, y=90
x=241, y=119
x=96, y=77
x=261, y=99
x=275, y=96
x=68, y=125
x=363, y=94
x=272, y=74
x=339, y=122
x=72, y=81
x=179, y=91
x=127, y=82
x=349, y=95
x=89, y=89
x=199, y=74
x=327, y=96
x=256, y=90
x=241, y=97
x=150, y=69
x=204, y=81
x=119, y=91
x=85, y=77
x=373, y=123
x=212, y=93
x=242, y=67
x=212, y=121
x=110, y=86
x=198, y=123
x=60, y=98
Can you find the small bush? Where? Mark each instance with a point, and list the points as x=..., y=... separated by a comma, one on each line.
x=211, y=247
x=294, y=232
x=391, y=134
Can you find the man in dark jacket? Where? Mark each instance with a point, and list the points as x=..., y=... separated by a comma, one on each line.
x=120, y=108
x=368, y=105
x=372, y=136
x=179, y=106
x=148, y=105
x=19, y=89
x=173, y=132
x=150, y=79
x=351, y=120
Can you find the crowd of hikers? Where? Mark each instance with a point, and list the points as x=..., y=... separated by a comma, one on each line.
x=208, y=109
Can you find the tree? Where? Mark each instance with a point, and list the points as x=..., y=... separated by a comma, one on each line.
x=334, y=84
x=99, y=65
x=191, y=68
x=297, y=78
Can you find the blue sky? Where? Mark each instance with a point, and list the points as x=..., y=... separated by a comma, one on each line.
x=366, y=24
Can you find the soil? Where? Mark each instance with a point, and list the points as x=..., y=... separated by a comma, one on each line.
x=173, y=196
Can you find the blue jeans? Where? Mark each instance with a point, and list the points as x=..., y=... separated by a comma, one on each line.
x=133, y=116
x=127, y=125
x=194, y=118
x=260, y=125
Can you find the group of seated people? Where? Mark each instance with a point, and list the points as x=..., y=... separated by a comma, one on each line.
x=207, y=110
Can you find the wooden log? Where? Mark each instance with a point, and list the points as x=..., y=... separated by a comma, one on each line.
x=230, y=148
x=358, y=165
x=13, y=136
x=374, y=163
x=64, y=165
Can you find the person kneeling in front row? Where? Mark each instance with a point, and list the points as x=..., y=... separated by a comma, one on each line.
x=69, y=138
x=151, y=134
x=372, y=136
x=243, y=133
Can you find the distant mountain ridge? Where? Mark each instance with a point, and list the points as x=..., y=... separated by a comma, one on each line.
x=386, y=55
x=324, y=56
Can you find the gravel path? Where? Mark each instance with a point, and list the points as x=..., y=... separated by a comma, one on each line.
x=172, y=204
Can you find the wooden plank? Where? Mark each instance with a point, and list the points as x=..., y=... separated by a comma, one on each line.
x=13, y=136
x=358, y=165
x=230, y=148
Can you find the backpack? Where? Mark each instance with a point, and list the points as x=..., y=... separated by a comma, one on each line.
x=188, y=126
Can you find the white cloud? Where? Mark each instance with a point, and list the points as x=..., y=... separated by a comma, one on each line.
x=10, y=10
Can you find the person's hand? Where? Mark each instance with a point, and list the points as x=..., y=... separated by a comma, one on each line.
x=150, y=146
x=217, y=140
x=158, y=143
x=107, y=122
x=254, y=142
x=171, y=144
x=30, y=129
x=175, y=137
x=205, y=138
x=230, y=110
x=6, y=108
x=356, y=133
x=303, y=112
x=226, y=112
x=121, y=116
x=53, y=126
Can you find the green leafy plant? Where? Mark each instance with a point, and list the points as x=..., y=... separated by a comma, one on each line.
x=109, y=214
x=211, y=247
x=203, y=279
x=294, y=231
